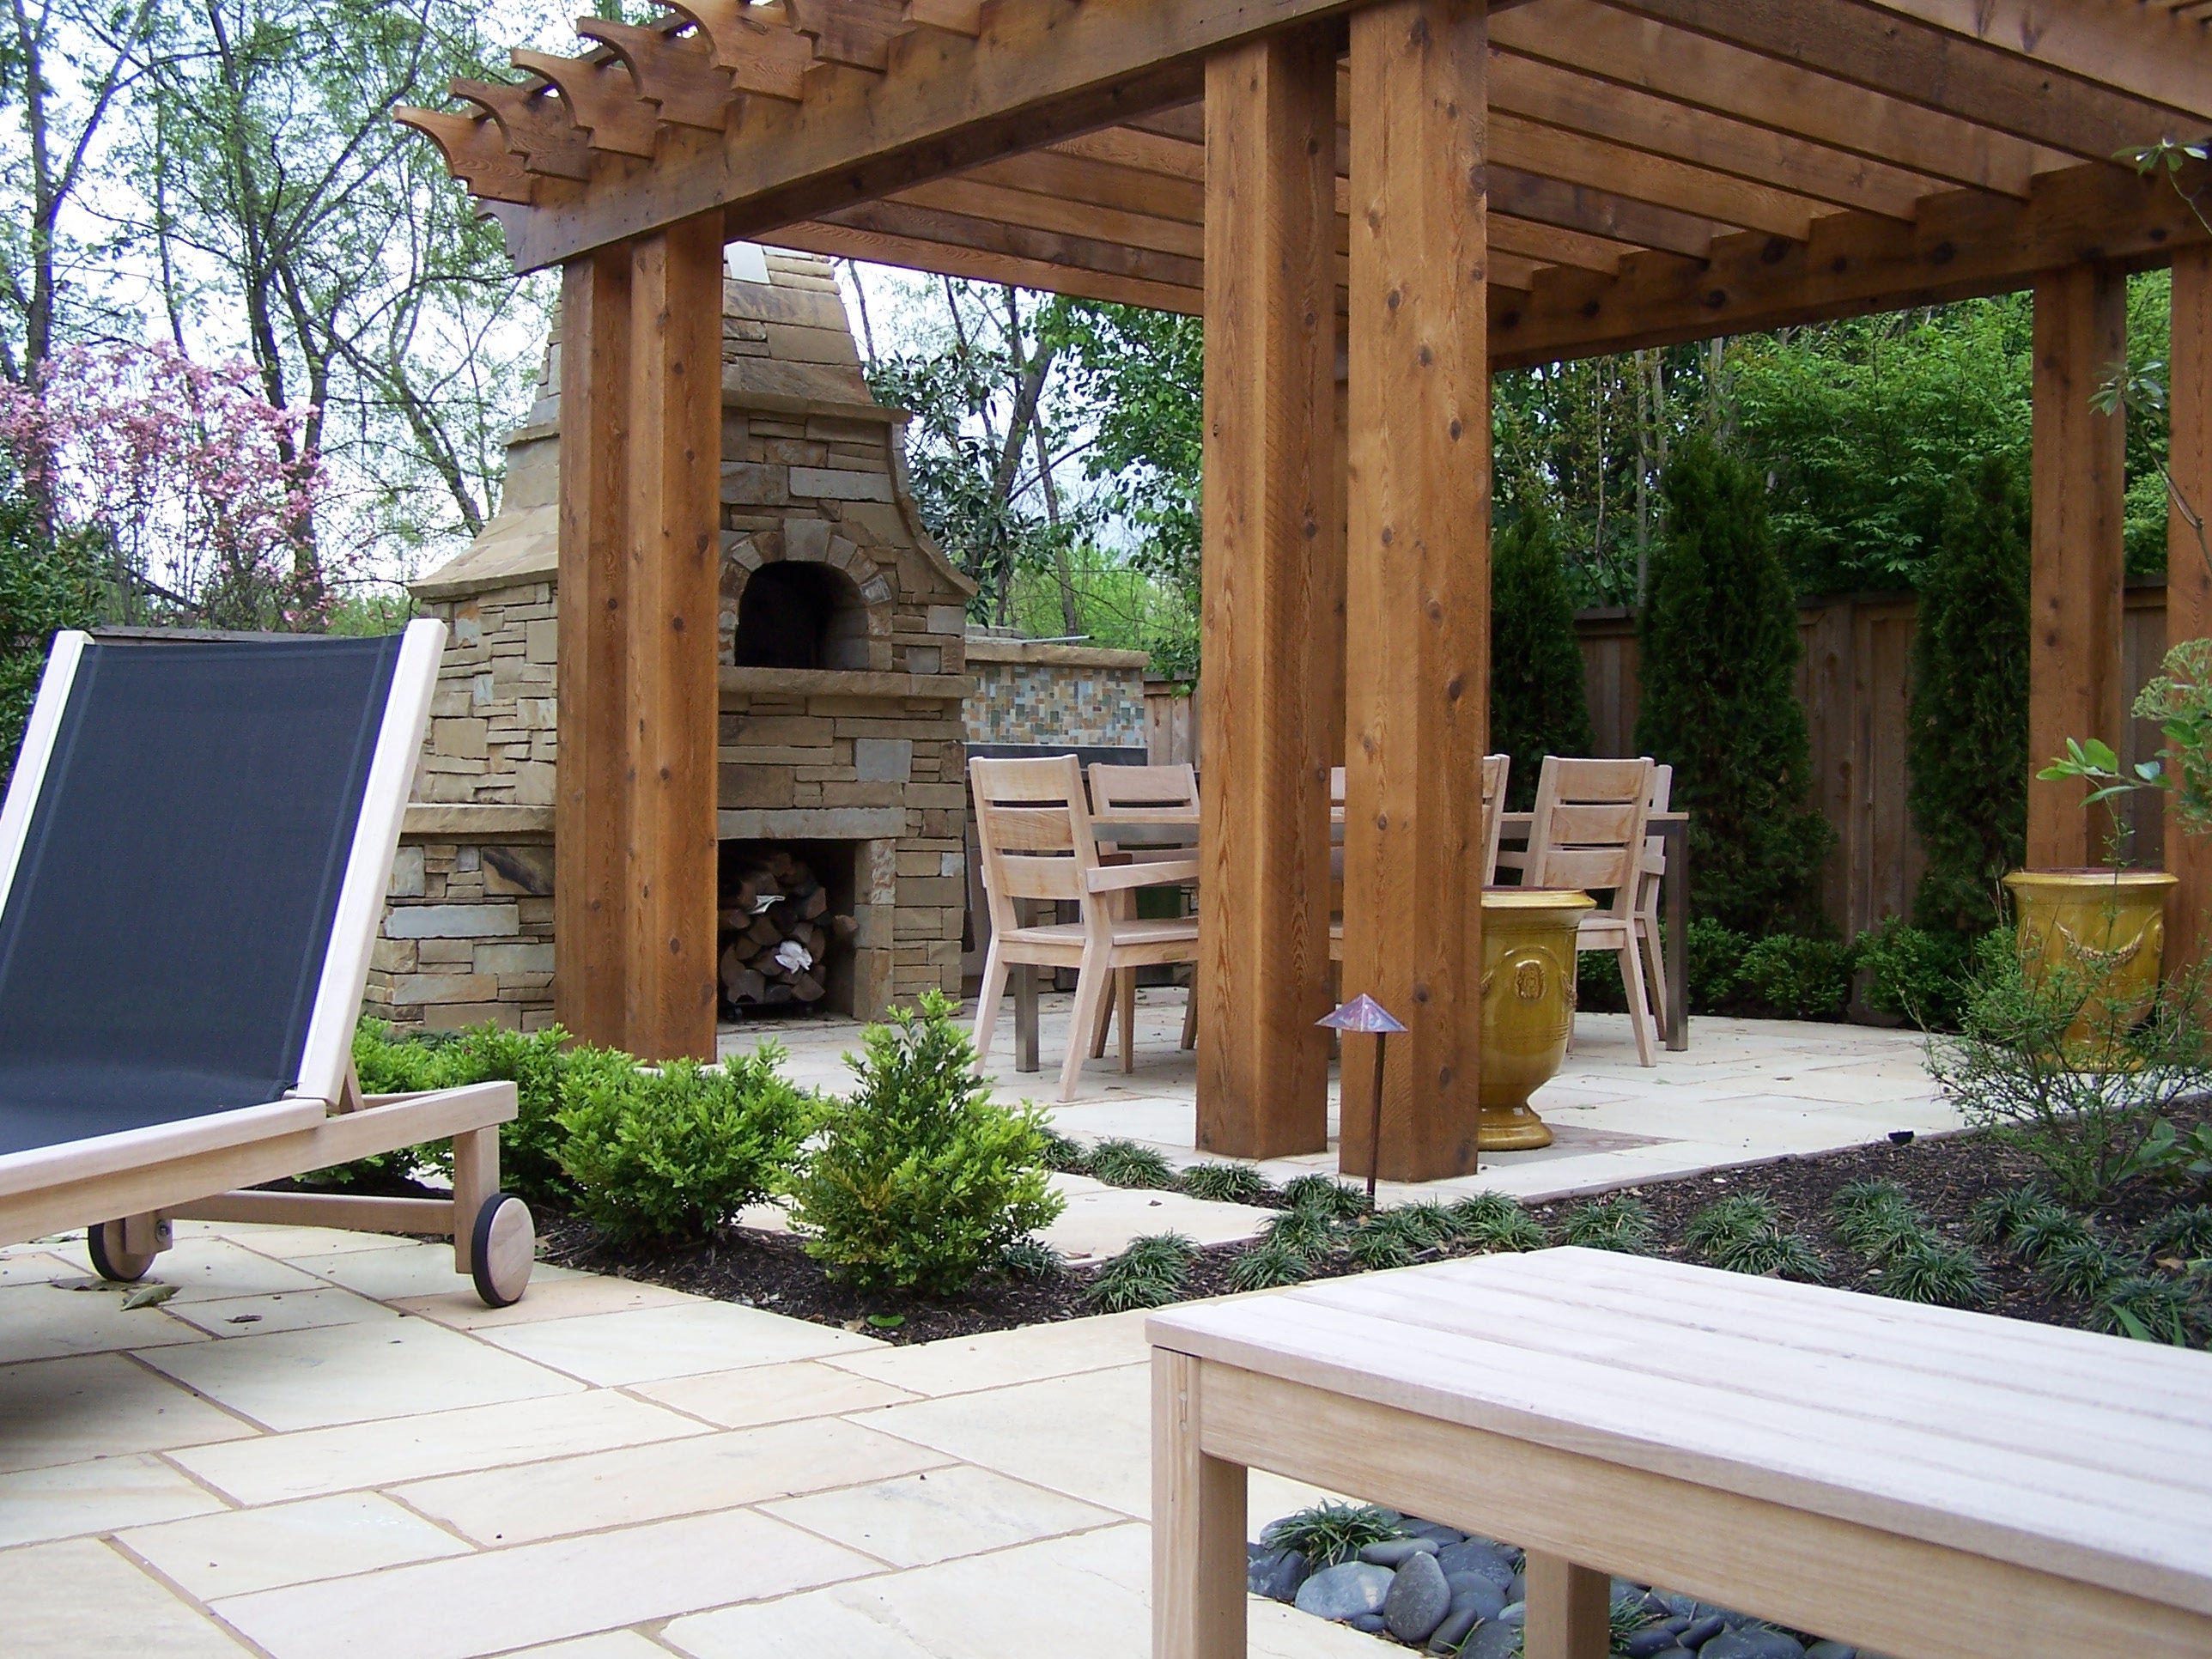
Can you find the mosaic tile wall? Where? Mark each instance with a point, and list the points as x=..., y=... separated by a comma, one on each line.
x=1038, y=694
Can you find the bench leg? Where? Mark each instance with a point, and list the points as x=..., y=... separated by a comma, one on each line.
x=475, y=1178
x=1198, y=1526
x=1567, y=1610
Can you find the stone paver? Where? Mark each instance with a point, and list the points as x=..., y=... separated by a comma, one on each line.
x=322, y=1446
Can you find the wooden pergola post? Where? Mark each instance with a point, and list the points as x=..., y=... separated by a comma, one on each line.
x=1418, y=587
x=2188, y=578
x=1273, y=574
x=2078, y=562
x=640, y=554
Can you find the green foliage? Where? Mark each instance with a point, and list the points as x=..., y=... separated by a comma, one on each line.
x=1432, y=1223
x=917, y=1182
x=2045, y=1229
x=1744, y=1233
x=1866, y=424
x=1130, y=1164
x=1328, y=1535
x=1967, y=742
x=1608, y=1224
x=2149, y=1308
x=1874, y=1217
x=1498, y=1222
x=1267, y=1266
x=1154, y=1271
x=1715, y=964
x=2013, y=1069
x=2185, y=1232
x=1225, y=1183
x=1719, y=641
x=1310, y=1233
x=1031, y=1258
x=1537, y=705
x=2083, y=1268
x=1996, y=1218
x=1914, y=973
x=1797, y=978
x=2178, y=700
x=1384, y=1240
x=1325, y=1195
x=673, y=1155
x=45, y=585
x=1923, y=1268
x=1064, y=1152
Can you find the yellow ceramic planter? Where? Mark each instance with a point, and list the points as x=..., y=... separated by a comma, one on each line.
x=1529, y=960
x=2106, y=926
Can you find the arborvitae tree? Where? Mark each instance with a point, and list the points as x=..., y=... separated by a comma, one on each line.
x=1537, y=704
x=1968, y=747
x=1720, y=650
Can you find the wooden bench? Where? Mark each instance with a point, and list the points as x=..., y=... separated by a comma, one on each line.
x=1932, y=1483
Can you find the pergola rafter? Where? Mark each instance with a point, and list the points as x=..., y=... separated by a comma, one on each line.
x=1510, y=183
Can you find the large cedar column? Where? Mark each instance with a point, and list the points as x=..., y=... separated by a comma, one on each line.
x=2078, y=567
x=2188, y=578
x=1272, y=575
x=1418, y=579
x=641, y=440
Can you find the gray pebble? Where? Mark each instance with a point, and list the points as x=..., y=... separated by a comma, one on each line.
x=1344, y=1592
x=1391, y=1551
x=1513, y=1612
x=1518, y=1589
x=1753, y=1642
x=1472, y=1590
x=1372, y=1623
x=1275, y=1574
x=1644, y=1643
x=1832, y=1650
x=1478, y=1555
x=1419, y=1600
x=1435, y=1529
x=1492, y=1641
x=1706, y=1627
x=1447, y=1637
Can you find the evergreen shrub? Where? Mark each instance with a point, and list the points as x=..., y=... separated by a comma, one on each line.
x=671, y=1155
x=1967, y=746
x=1718, y=633
x=918, y=1182
x=1537, y=703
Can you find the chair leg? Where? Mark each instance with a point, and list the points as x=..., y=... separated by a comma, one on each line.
x=988, y=997
x=1190, y=1014
x=1639, y=1006
x=1654, y=972
x=1098, y=1033
x=1094, y=985
x=1125, y=1000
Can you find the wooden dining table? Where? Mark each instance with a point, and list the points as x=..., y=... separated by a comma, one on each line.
x=1141, y=831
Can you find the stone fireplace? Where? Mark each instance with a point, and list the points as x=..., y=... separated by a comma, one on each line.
x=842, y=639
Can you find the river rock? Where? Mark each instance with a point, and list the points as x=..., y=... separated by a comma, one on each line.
x=1419, y=1600
x=1275, y=1574
x=1478, y=1555
x=1753, y=1642
x=1344, y=1592
x=1472, y=1590
x=1371, y=1623
x=1703, y=1629
x=1513, y=1612
x=1394, y=1552
x=1435, y=1529
x=1832, y=1650
x=1492, y=1641
x=1447, y=1637
x=1645, y=1643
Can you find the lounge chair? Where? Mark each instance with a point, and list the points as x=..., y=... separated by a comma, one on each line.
x=194, y=855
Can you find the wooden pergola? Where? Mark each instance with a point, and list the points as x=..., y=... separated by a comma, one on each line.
x=1373, y=206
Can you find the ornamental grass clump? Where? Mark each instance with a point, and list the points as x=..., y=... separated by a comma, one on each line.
x=1328, y=1535
x=916, y=1182
x=1154, y=1271
x=1385, y=1241
x=2149, y=1308
x=671, y=1155
x=1925, y=1268
x=1995, y=1218
x=2185, y=1233
x=1226, y=1184
x=1873, y=1218
x=1129, y=1163
x=1495, y=1222
x=1309, y=1233
x=1744, y=1234
x=2080, y=1267
x=1268, y=1266
x=1325, y=1195
x=1608, y=1224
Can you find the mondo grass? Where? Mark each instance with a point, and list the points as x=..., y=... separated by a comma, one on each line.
x=1429, y=1221
x=1923, y=1268
x=2147, y=1309
x=1608, y=1224
x=1065, y=1153
x=2080, y=1267
x=2186, y=1233
x=2046, y=1228
x=1386, y=1240
x=1996, y=1219
x=1874, y=1219
x=1307, y=1233
x=1329, y=1534
x=1154, y=1271
x=1743, y=1234
x=1032, y=1258
x=1226, y=1184
x=1268, y=1266
x=1325, y=1195
x=1130, y=1164
x=1495, y=1222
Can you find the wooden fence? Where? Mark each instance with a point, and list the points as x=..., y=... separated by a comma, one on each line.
x=1855, y=678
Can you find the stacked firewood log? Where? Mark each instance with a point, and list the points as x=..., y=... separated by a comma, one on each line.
x=777, y=934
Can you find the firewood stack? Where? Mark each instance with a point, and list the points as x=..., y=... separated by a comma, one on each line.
x=777, y=934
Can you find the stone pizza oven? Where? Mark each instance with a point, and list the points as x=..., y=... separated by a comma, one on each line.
x=843, y=645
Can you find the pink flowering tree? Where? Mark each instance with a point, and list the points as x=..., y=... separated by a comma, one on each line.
x=200, y=494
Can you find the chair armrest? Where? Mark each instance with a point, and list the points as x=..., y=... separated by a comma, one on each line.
x=1511, y=861
x=1158, y=873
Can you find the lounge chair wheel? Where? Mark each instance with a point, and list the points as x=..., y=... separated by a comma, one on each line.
x=103, y=1242
x=502, y=1246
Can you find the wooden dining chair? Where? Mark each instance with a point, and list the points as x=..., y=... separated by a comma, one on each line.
x=1588, y=832
x=1033, y=832
x=1496, y=769
x=1122, y=790
x=1649, y=874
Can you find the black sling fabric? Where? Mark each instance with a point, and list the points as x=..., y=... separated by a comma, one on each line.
x=163, y=940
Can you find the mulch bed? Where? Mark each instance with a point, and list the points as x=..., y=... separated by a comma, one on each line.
x=1942, y=1176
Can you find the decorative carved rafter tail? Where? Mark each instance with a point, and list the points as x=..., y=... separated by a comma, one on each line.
x=675, y=71
x=601, y=96
x=535, y=122
x=756, y=44
x=475, y=150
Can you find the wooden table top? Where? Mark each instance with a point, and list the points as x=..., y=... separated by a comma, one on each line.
x=2089, y=1457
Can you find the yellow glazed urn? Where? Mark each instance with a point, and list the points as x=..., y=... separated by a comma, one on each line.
x=1529, y=960
x=2106, y=928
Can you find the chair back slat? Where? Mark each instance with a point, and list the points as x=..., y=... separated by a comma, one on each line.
x=1033, y=831
x=1594, y=825
x=1588, y=826
x=1496, y=770
x=1138, y=788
